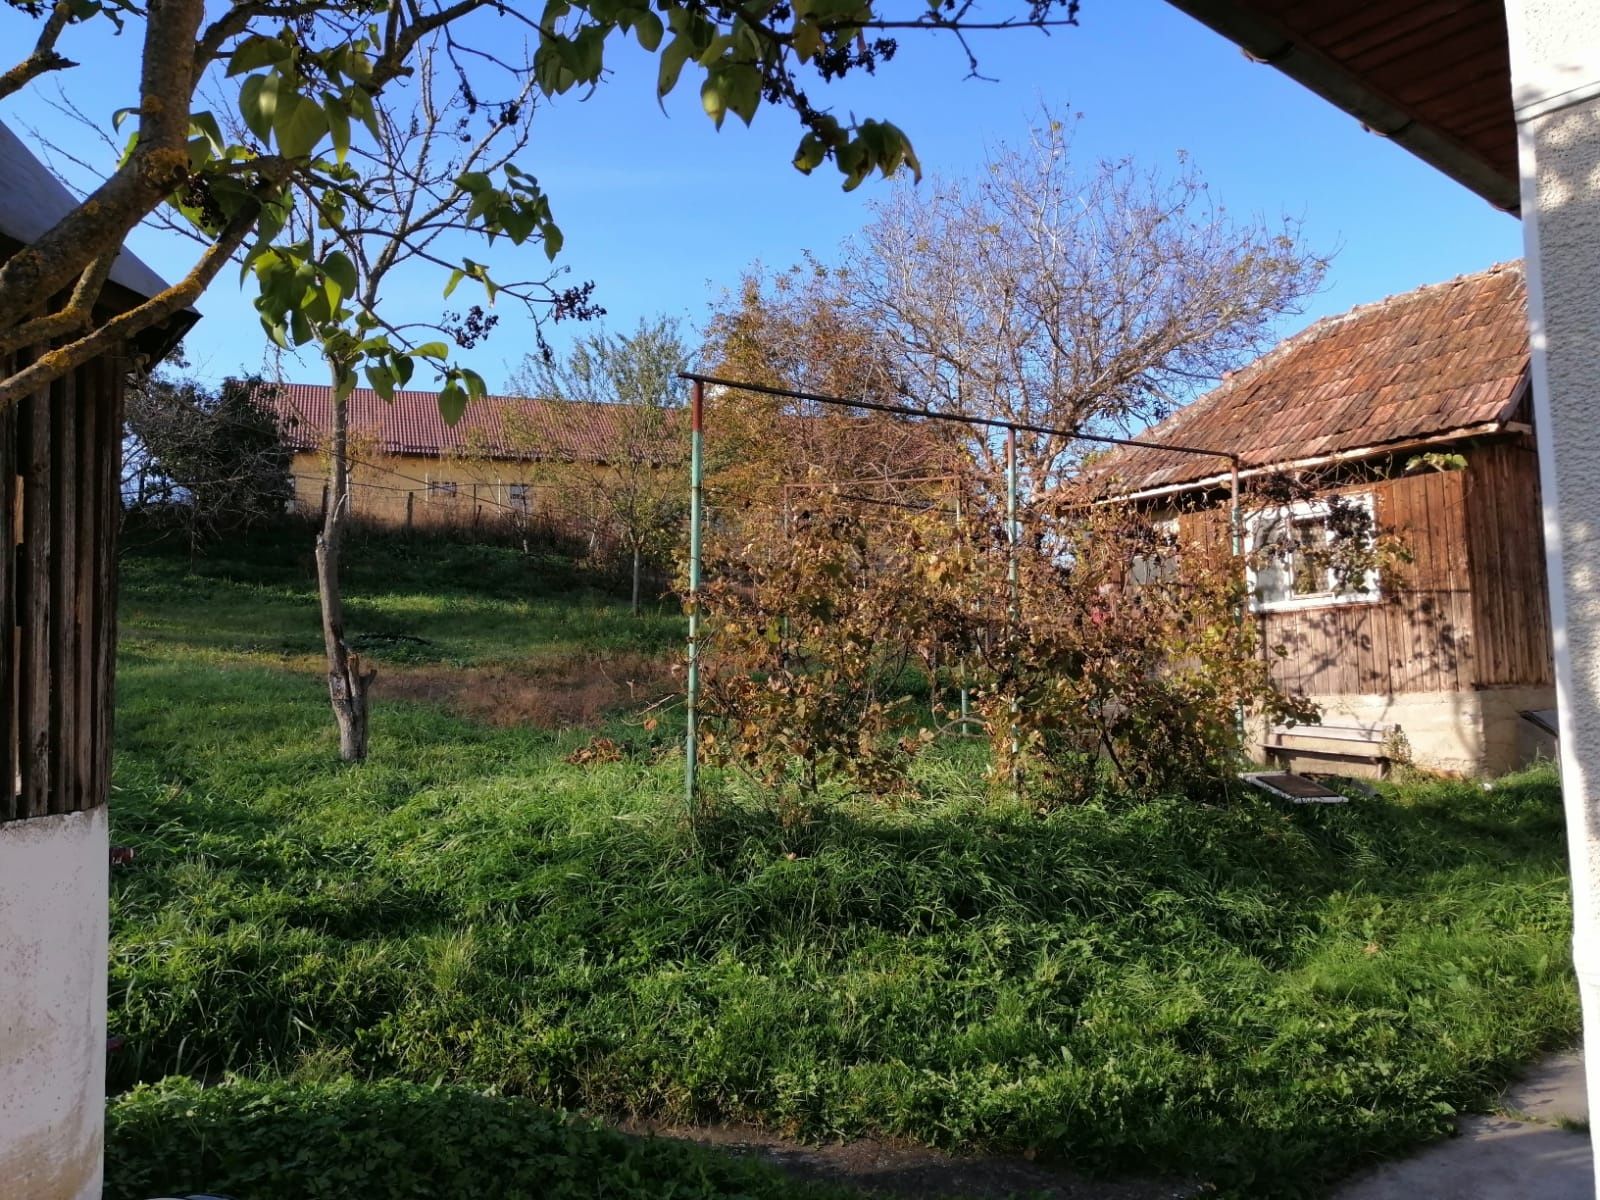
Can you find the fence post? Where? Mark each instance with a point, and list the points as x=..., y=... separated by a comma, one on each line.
x=692, y=683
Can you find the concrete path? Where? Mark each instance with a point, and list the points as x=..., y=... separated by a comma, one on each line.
x=1537, y=1147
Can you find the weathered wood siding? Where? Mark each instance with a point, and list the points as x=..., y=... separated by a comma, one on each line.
x=1505, y=552
x=59, y=511
x=1419, y=637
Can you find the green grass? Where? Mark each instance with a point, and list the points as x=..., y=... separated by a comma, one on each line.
x=1263, y=998
x=396, y=1141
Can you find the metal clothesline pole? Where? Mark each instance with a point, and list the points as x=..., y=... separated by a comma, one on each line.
x=692, y=683
x=966, y=695
x=1013, y=536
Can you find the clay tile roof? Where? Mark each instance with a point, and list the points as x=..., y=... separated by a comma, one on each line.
x=1445, y=357
x=506, y=427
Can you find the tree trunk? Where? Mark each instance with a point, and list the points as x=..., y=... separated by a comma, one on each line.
x=347, y=683
x=636, y=581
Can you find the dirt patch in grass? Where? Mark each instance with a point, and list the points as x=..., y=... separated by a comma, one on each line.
x=887, y=1168
x=552, y=693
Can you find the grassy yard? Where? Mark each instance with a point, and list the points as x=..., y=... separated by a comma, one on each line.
x=1260, y=998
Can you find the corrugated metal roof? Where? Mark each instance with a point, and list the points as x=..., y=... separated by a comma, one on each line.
x=1445, y=357
x=504, y=427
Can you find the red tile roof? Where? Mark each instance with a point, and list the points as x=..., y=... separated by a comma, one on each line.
x=505, y=427
x=1450, y=356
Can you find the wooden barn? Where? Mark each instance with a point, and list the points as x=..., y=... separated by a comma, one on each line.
x=1416, y=408
x=60, y=511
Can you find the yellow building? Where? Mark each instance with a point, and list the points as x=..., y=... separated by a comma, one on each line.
x=507, y=461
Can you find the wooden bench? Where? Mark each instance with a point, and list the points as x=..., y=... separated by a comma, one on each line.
x=1332, y=741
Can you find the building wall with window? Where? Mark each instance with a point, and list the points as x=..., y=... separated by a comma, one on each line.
x=425, y=491
x=1448, y=641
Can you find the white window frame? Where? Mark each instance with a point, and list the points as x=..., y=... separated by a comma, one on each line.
x=520, y=495
x=1367, y=592
x=443, y=489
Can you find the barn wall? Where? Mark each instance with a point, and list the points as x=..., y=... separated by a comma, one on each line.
x=1505, y=545
x=1418, y=637
x=60, y=510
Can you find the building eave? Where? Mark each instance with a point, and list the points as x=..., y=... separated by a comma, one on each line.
x=1265, y=42
x=1212, y=482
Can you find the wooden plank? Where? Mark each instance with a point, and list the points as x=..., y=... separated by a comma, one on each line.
x=33, y=708
x=63, y=589
x=1499, y=668
x=1514, y=517
x=85, y=599
x=109, y=472
x=1383, y=618
x=8, y=613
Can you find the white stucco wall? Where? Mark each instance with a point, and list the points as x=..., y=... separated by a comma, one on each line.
x=53, y=873
x=1555, y=89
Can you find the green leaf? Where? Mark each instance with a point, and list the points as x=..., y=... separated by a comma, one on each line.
x=362, y=108
x=741, y=88
x=452, y=402
x=382, y=380
x=299, y=125
x=648, y=29
x=206, y=126
x=121, y=115
x=553, y=240
x=433, y=350
x=338, y=267
x=258, y=51
x=456, y=277
x=258, y=104
x=711, y=99
x=672, y=60
x=810, y=154
x=338, y=126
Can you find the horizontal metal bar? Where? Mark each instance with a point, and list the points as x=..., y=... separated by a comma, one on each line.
x=906, y=410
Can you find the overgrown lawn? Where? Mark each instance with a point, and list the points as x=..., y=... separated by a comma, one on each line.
x=1260, y=997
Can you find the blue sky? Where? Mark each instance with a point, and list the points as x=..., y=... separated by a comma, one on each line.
x=662, y=211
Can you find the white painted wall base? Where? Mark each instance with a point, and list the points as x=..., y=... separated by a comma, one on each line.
x=1461, y=733
x=53, y=927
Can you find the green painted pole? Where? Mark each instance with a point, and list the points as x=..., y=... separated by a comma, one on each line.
x=1236, y=537
x=966, y=695
x=1013, y=536
x=691, y=744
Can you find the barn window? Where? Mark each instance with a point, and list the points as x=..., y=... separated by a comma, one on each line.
x=521, y=496
x=1290, y=562
x=441, y=489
